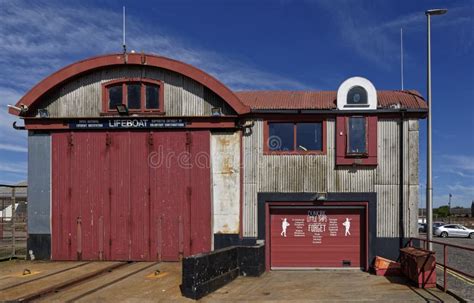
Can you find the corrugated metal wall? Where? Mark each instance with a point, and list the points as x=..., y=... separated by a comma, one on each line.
x=318, y=173
x=130, y=195
x=82, y=97
x=39, y=183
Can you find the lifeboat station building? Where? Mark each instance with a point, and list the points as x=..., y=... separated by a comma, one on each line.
x=140, y=157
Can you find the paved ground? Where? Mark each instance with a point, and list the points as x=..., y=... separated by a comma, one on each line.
x=325, y=286
x=458, y=259
x=152, y=282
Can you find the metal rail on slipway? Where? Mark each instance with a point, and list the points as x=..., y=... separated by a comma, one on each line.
x=468, y=276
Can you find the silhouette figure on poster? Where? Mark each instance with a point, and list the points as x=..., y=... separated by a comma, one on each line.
x=284, y=226
x=347, y=225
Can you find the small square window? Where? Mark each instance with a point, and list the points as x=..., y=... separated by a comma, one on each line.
x=134, y=96
x=356, y=136
x=280, y=136
x=152, y=96
x=115, y=96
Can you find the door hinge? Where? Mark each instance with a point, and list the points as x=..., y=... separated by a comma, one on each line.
x=70, y=140
x=150, y=139
x=108, y=140
x=189, y=192
x=189, y=139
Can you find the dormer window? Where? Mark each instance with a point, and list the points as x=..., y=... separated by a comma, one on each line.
x=356, y=93
x=357, y=96
x=139, y=95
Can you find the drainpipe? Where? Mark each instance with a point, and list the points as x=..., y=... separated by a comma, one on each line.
x=401, y=223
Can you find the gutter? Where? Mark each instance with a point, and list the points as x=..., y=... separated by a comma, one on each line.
x=339, y=112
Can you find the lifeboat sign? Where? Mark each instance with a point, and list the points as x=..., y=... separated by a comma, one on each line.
x=126, y=123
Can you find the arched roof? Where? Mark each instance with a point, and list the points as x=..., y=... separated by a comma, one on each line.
x=84, y=66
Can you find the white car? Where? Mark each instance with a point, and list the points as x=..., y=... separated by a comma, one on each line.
x=454, y=230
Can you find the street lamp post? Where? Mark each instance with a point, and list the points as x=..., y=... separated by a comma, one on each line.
x=449, y=208
x=429, y=183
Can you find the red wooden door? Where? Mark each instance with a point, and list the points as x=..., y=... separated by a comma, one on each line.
x=169, y=193
x=112, y=200
x=316, y=237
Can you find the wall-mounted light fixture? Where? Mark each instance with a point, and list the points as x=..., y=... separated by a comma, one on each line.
x=43, y=113
x=321, y=197
x=216, y=111
x=122, y=109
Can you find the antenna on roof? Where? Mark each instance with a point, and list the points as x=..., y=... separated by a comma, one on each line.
x=401, y=55
x=123, y=21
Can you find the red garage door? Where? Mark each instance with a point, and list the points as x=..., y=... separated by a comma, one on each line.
x=317, y=237
x=130, y=195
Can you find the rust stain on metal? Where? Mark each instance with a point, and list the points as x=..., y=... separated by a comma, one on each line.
x=224, y=141
x=227, y=167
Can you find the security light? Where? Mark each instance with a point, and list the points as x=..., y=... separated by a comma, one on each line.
x=436, y=11
x=321, y=196
x=43, y=113
x=122, y=109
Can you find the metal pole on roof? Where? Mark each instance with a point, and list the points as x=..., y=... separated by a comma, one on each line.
x=429, y=171
x=123, y=38
x=401, y=55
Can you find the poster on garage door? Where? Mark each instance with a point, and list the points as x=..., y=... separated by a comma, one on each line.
x=316, y=237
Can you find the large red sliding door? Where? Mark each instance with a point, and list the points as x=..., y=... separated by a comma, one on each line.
x=130, y=195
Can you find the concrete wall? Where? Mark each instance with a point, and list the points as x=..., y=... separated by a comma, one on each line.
x=82, y=97
x=318, y=173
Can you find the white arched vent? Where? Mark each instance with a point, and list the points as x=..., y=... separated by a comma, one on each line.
x=356, y=93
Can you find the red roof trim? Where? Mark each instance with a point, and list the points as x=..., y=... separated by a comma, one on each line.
x=90, y=64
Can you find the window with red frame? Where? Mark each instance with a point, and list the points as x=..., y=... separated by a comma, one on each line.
x=291, y=137
x=356, y=136
x=139, y=95
x=356, y=140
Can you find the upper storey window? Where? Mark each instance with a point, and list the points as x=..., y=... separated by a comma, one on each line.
x=356, y=136
x=139, y=95
x=288, y=137
x=356, y=140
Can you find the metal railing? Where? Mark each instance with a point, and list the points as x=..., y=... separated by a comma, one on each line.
x=13, y=221
x=444, y=265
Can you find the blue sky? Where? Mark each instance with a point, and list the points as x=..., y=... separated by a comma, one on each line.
x=287, y=44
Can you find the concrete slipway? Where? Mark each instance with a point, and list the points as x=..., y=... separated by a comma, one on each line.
x=159, y=282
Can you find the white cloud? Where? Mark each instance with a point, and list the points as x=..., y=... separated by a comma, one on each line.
x=16, y=168
x=12, y=147
x=44, y=37
x=378, y=41
x=460, y=165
